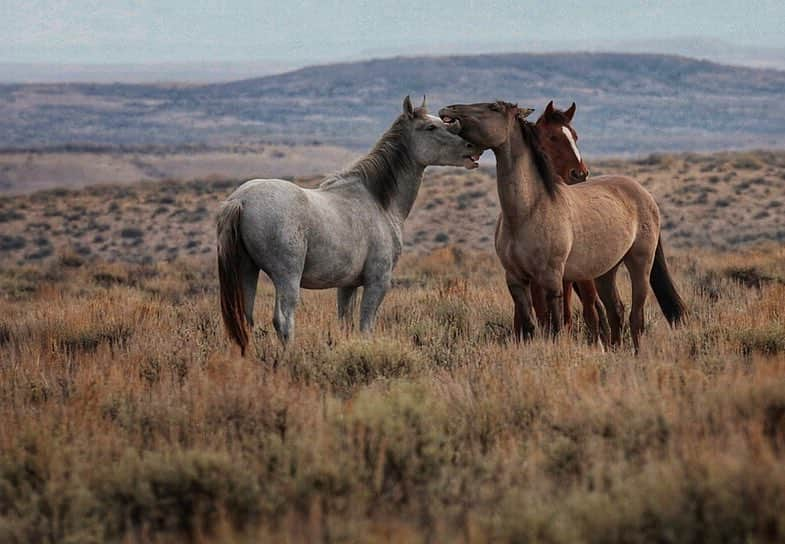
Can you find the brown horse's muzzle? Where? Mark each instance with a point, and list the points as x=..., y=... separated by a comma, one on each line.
x=579, y=175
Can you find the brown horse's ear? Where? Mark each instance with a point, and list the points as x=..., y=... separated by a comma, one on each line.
x=549, y=108
x=408, y=109
x=570, y=113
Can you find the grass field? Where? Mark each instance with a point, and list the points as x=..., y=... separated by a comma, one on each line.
x=125, y=415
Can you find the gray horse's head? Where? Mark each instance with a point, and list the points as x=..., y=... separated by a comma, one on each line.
x=435, y=143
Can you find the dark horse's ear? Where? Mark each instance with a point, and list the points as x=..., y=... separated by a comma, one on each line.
x=570, y=113
x=549, y=108
x=408, y=110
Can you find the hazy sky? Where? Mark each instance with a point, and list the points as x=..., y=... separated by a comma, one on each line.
x=143, y=31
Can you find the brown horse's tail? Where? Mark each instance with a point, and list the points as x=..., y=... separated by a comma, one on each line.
x=230, y=248
x=662, y=284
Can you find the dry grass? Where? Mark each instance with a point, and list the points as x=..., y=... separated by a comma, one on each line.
x=125, y=414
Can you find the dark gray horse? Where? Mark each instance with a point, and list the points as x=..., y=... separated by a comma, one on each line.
x=344, y=234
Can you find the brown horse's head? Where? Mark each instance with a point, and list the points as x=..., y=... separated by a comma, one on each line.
x=560, y=142
x=486, y=125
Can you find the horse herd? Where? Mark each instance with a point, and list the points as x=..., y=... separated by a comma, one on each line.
x=556, y=230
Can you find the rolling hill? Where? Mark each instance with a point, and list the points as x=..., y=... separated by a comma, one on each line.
x=628, y=103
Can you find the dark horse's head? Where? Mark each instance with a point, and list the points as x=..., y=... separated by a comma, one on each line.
x=560, y=142
x=486, y=125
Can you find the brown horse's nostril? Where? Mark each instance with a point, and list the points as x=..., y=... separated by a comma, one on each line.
x=579, y=175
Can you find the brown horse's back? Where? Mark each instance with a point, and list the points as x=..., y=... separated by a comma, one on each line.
x=610, y=215
x=623, y=186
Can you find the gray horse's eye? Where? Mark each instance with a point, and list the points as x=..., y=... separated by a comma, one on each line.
x=431, y=127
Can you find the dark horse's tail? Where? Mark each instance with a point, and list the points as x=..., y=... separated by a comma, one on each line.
x=230, y=248
x=662, y=284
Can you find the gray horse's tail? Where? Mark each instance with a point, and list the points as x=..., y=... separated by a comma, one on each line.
x=230, y=248
x=662, y=284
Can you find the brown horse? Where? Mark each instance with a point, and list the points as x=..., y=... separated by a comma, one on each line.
x=549, y=231
x=559, y=141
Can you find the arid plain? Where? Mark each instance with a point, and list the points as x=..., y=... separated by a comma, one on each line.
x=128, y=416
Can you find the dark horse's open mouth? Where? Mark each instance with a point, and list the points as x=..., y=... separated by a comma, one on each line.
x=454, y=126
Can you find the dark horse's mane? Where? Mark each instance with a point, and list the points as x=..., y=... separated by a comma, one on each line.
x=541, y=159
x=380, y=168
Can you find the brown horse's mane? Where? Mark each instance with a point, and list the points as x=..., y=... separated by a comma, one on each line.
x=541, y=159
x=380, y=168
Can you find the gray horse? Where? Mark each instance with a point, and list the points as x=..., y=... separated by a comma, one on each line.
x=346, y=233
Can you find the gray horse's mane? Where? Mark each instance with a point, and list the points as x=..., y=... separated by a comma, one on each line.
x=379, y=169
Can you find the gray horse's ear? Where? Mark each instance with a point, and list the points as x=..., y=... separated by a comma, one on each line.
x=408, y=110
x=423, y=106
x=570, y=113
x=525, y=112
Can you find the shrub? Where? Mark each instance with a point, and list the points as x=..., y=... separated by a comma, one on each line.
x=360, y=362
x=181, y=492
x=768, y=341
x=132, y=232
x=11, y=243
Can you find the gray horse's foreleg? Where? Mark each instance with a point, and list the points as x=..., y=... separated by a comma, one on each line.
x=287, y=295
x=347, y=297
x=373, y=294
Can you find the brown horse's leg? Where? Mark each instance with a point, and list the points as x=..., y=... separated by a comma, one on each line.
x=606, y=286
x=639, y=269
x=588, y=295
x=523, y=321
x=567, y=294
x=554, y=298
x=605, y=328
x=540, y=307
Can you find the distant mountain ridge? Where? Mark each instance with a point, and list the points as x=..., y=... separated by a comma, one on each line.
x=627, y=103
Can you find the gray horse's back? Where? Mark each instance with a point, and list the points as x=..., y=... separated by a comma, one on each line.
x=311, y=233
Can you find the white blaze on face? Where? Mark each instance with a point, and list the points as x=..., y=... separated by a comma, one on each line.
x=570, y=139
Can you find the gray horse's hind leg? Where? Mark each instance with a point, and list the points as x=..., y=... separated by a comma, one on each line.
x=287, y=295
x=249, y=278
x=347, y=297
x=373, y=294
